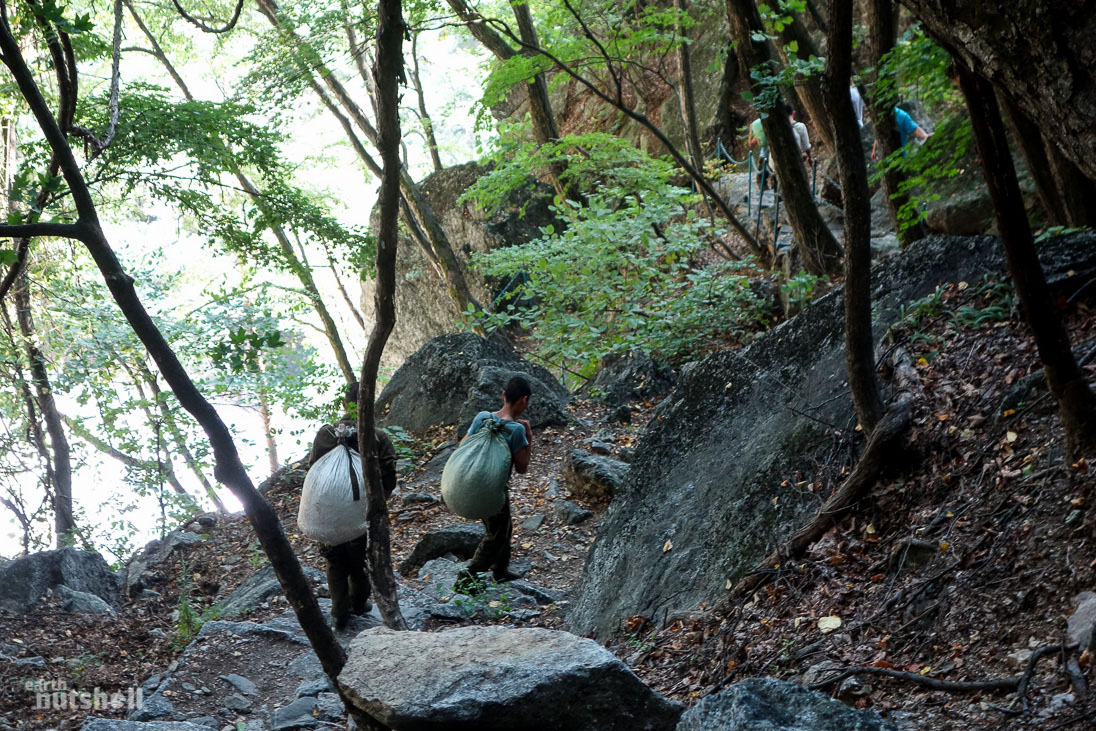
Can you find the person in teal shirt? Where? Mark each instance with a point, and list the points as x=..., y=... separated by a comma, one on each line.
x=493, y=551
x=906, y=127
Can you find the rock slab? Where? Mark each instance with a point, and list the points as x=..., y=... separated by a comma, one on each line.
x=495, y=678
x=765, y=704
x=592, y=476
x=459, y=539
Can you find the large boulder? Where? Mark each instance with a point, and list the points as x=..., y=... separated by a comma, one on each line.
x=591, y=476
x=707, y=496
x=424, y=308
x=629, y=377
x=460, y=539
x=765, y=704
x=24, y=581
x=453, y=377
x=260, y=587
x=498, y=678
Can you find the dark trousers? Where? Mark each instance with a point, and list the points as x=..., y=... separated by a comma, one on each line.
x=493, y=551
x=347, y=580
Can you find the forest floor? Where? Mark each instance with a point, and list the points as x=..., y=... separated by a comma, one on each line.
x=964, y=559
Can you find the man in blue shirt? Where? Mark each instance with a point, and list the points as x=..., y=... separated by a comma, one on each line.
x=906, y=127
x=493, y=551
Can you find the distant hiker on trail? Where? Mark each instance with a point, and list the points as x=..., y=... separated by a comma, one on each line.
x=857, y=102
x=347, y=580
x=802, y=139
x=493, y=551
x=906, y=127
x=756, y=138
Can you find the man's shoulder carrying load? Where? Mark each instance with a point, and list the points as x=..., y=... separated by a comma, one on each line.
x=332, y=509
x=473, y=483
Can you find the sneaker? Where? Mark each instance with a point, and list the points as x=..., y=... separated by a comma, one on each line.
x=503, y=575
x=364, y=608
x=342, y=622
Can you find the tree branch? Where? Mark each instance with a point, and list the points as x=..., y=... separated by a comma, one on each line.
x=205, y=28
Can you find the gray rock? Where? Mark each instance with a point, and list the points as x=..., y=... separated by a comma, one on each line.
x=706, y=481
x=207, y=721
x=306, y=666
x=312, y=688
x=252, y=629
x=154, y=706
x=765, y=704
x=144, y=569
x=600, y=447
x=454, y=377
x=626, y=454
x=23, y=581
x=430, y=474
x=240, y=683
x=532, y=523
x=459, y=539
x=330, y=707
x=622, y=414
x=238, y=703
x=568, y=513
x=262, y=586
x=297, y=714
x=523, y=615
x=82, y=602
x=1081, y=626
x=498, y=678
x=419, y=498
x=964, y=214
x=553, y=490
x=110, y=724
x=629, y=377
x=590, y=476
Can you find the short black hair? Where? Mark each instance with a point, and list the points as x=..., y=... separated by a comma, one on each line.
x=789, y=109
x=516, y=389
x=352, y=393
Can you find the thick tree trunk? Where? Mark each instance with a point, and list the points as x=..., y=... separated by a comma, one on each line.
x=809, y=90
x=1037, y=52
x=882, y=35
x=853, y=171
x=60, y=453
x=817, y=246
x=1066, y=380
x=1077, y=191
x=387, y=74
x=1030, y=142
x=728, y=120
x=229, y=469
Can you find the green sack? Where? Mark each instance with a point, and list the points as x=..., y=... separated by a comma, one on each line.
x=473, y=483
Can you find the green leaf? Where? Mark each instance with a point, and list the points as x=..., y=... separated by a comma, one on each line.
x=8, y=257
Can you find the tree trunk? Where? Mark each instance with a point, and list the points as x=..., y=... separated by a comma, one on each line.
x=268, y=432
x=60, y=453
x=859, y=345
x=1030, y=142
x=1065, y=379
x=424, y=115
x=882, y=35
x=229, y=469
x=1077, y=190
x=809, y=90
x=728, y=120
x=387, y=74
x=817, y=246
x=686, y=97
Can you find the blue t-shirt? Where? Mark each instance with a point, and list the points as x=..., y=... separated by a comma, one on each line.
x=515, y=432
x=906, y=125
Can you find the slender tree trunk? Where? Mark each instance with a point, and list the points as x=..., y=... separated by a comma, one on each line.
x=809, y=90
x=63, y=522
x=387, y=73
x=882, y=35
x=853, y=171
x=1030, y=142
x=817, y=246
x=229, y=469
x=686, y=97
x=268, y=432
x=1066, y=380
x=728, y=120
x=424, y=115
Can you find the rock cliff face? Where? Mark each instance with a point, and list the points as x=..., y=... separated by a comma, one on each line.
x=712, y=488
x=423, y=307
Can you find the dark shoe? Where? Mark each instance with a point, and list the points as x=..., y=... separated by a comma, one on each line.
x=341, y=622
x=503, y=575
x=468, y=583
x=363, y=608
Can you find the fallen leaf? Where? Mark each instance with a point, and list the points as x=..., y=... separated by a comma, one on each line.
x=667, y=546
x=1012, y=436
x=829, y=624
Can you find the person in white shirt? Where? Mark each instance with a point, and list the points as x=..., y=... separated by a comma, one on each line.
x=801, y=137
x=857, y=103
